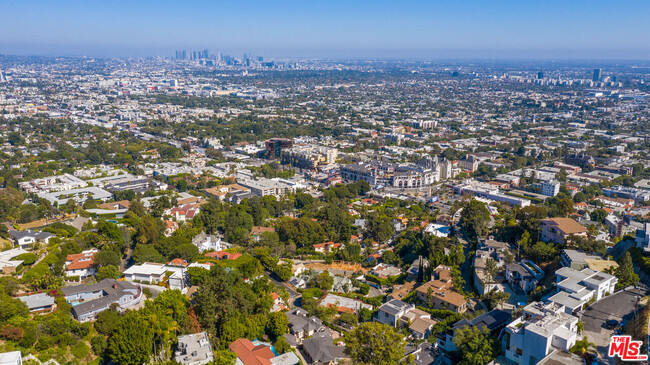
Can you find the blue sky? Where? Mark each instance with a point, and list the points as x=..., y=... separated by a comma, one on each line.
x=313, y=28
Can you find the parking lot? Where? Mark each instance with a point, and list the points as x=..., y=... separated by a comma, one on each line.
x=619, y=306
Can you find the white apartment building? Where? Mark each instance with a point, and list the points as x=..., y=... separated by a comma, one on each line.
x=550, y=188
x=491, y=192
x=541, y=329
x=53, y=183
x=576, y=288
x=264, y=187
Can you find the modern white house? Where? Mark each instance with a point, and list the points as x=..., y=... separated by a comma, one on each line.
x=577, y=288
x=11, y=358
x=154, y=273
x=542, y=328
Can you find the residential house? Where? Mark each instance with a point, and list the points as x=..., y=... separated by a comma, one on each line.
x=425, y=354
x=320, y=349
x=207, y=242
x=11, y=358
x=577, y=288
x=89, y=300
x=174, y=275
x=278, y=303
x=390, y=312
x=385, y=271
x=540, y=329
x=25, y=239
x=326, y=247
x=343, y=304
x=400, y=291
x=413, y=271
x=170, y=227
x=223, y=255
x=81, y=265
x=39, y=302
x=397, y=313
x=8, y=262
x=494, y=321
x=302, y=326
x=249, y=353
x=257, y=231
x=440, y=293
x=194, y=349
x=524, y=275
x=558, y=229
x=489, y=249
x=183, y=213
x=150, y=273
x=575, y=259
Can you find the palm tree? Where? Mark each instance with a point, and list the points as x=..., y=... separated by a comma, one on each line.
x=582, y=347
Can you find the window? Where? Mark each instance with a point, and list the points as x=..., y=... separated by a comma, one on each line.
x=518, y=351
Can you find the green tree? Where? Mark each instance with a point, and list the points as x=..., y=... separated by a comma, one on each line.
x=475, y=218
x=277, y=325
x=323, y=281
x=381, y=228
x=598, y=215
x=581, y=347
x=374, y=343
x=132, y=340
x=107, y=257
x=474, y=345
x=107, y=272
x=625, y=272
x=491, y=268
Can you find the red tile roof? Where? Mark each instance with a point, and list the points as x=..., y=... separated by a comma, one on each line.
x=250, y=354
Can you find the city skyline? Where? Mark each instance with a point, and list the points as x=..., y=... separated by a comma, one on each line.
x=355, y=29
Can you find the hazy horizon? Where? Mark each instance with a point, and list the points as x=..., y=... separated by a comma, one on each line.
x=590, y=30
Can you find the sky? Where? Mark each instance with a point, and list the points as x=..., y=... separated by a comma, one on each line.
x=430, y=29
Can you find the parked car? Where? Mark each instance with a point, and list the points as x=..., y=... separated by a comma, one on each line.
x=612, y=324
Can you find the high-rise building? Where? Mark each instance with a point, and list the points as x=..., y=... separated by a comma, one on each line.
x=540, y=75
x=275, y=146
x=2, y=77
x=206, y=54
x=596, y=74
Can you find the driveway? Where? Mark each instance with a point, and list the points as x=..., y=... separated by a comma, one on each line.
x=619, y=306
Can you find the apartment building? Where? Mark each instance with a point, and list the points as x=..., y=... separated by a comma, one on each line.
x=540, y=330
x=577, y=288
x=558, y=229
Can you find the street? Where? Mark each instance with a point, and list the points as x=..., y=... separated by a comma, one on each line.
x=619, y=306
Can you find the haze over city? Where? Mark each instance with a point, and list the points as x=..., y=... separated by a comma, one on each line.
x=365, y=29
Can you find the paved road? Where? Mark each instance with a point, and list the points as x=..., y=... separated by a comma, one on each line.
x=619, y=306
x=293, y=294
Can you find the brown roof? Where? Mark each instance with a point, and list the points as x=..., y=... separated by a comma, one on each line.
x=421, y=325
x=401, y=291
x=122, y=204
x=566, y=225
x=258, y=230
